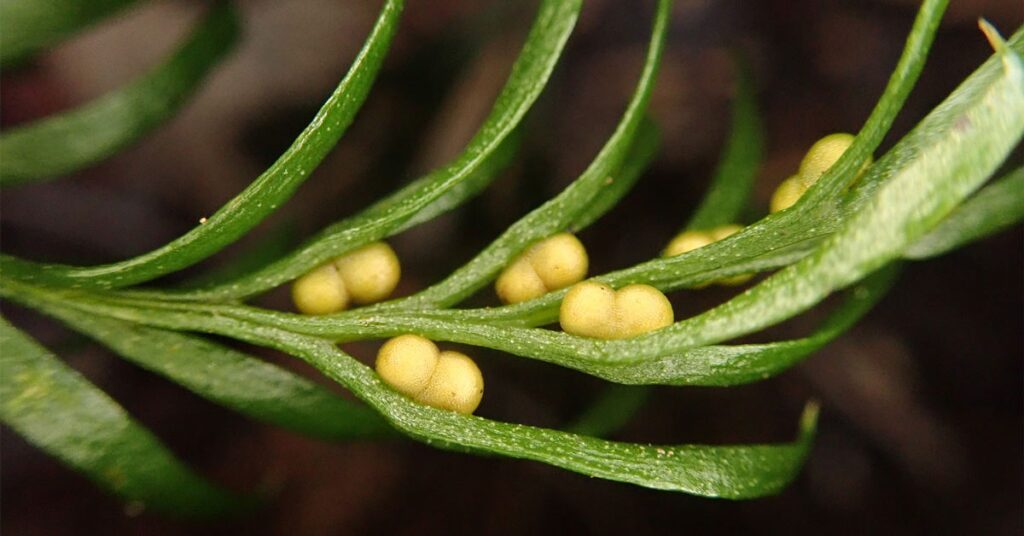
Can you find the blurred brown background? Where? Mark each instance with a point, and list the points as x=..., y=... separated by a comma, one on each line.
x=921, y=430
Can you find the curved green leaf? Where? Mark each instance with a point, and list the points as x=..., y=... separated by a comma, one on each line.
x=78, y=138
x=998, y=206
x=908, y=69
x=644, y=148
x=60, y=412
x=473, y=184
x=257, y=201
x=544, y=44
x=736, y=472
x=945, y=158
x=230, y=378
x=27, y=26
x=732, y=472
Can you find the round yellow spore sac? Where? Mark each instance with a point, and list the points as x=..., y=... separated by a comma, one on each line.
x=685, y=242
x=415, y=367
x=787, y=194
x=320, y=291
x=592, y=309
x=823, y=155
x=366, y=275
x=551, y=264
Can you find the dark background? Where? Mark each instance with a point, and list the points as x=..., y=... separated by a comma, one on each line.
x=921, y=429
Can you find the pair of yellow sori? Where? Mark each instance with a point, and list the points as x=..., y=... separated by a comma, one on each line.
x=415, y=367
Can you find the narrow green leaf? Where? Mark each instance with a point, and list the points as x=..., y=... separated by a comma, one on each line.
x=735, y=472
x=270, y=246
x=230, y=378
x=541, y=51
x=998, y=206
x=79, y=138
x=60, y=412
x=908, y=69
x=732, y=472
x=27, y=26
x=580, y=201
x=474, y=183
x=257, y=201
x=734, y=177
x=645, y=147
x=945, y=158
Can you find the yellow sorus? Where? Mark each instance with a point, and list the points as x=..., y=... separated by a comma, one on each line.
x=687, y=241
x=596, y=310
x=413, y=366
x=366, y=275
x=823, y=155
x=819, y=158
x=551, y=264
x=787, y=194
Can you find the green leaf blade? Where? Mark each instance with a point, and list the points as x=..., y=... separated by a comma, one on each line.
x=543, y=47
x=230, y=378
x=72, y=140
x=26, y=26
x=908, y=69
x=258, y=200
x=996, y=207
x=60, y=412
x=945, y=158
x=731, y=472
x=641, y=153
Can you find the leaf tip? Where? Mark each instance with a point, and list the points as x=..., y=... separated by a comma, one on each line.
x=995, y=40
